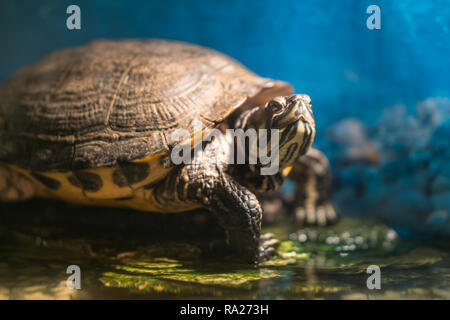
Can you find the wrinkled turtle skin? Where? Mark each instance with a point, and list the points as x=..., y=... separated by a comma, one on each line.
x=94, y=125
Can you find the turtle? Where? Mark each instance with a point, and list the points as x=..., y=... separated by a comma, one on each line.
x=95, y=125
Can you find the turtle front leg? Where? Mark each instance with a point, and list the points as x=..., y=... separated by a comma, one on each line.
x=236, y=207
x=240, y=214
x=312, y=203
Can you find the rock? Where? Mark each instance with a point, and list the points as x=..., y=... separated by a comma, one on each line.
x=441, y=201
x=347, y=131
x=412, y=183
x=439, y=142
x=376, y=193
x=396, y=169
x=351, y=135
x=439, y=223
x=400, y=133
x=433, y=111
x=352, y=176
x=421, y=159
x=406, y=208
x=442, y=181
x=423, y=180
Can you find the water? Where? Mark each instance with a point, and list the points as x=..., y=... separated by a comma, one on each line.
x=323, y=49
x=38, y=240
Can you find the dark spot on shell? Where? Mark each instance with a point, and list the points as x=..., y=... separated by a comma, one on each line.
x=119, y=179
x=47, y=181
x=135, y=171
x=88, y=181
x=74, y=181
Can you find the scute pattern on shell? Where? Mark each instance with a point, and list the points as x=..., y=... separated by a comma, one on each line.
x=115, y=101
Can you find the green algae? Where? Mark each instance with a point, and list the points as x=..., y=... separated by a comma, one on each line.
x=170, y=269
x=238, y=278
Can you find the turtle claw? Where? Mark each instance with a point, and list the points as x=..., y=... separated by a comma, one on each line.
x=321, y=215
x=268, y=245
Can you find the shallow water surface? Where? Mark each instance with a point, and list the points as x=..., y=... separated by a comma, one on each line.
x=313, y=263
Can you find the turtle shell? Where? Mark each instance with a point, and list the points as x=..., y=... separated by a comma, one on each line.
x=116, y=101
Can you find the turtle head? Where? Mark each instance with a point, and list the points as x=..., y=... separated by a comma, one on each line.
x=293, y=118
x=289, y=120
x=290, y=127
x=282, y=112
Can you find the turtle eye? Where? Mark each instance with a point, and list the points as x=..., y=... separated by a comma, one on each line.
x=274, y=106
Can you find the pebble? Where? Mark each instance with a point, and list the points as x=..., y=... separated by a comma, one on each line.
x=442, y=182
x=410, y=188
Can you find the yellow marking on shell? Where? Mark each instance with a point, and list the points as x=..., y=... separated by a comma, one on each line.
x=150, y=157
x=109, y=189
x=69, y=192
x=66, y=191
x=144, y=201
x=109, y=192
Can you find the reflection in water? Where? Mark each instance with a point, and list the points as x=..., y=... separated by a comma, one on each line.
x=314, y=263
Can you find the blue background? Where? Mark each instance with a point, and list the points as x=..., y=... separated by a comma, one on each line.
x=322, y=47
